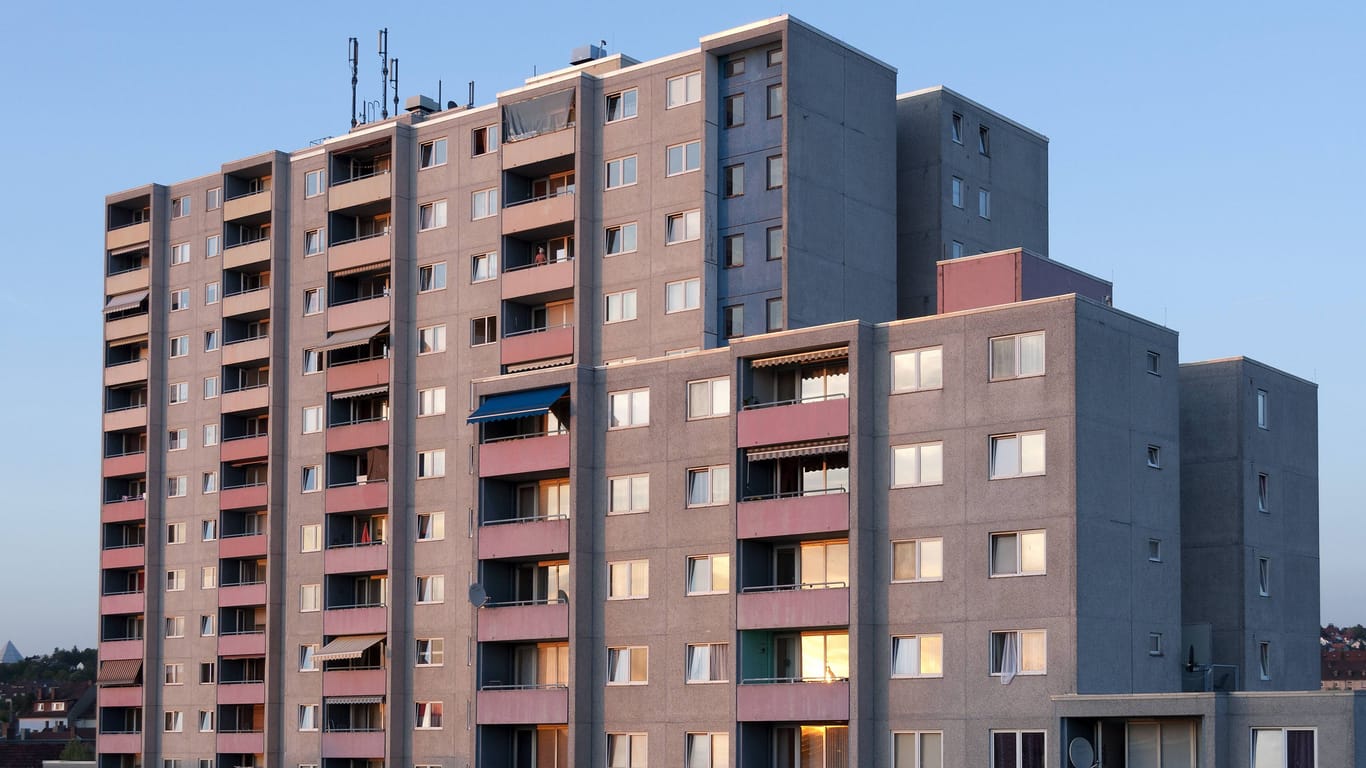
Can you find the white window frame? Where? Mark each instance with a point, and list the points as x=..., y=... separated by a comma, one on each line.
x=489, y=324
x=432, y=154
x=1155, y=644
x=306, y=661
x=213, y=199
x=624, y=232
x=211, y=293
x=919, y=547
x=706, y=750
x=630, y=571
x=956, y=192
x=314, y=242
x=916, y=379
x=691, y=86
x=179, y=346
x=1263, y=576
x=1019, y=744
x=208, y=577
x=180, y=253
x=312, y=419
x=175, y=580
x=177, y=486
x=614, y=653
x=918, y=747
x=430, y=715
x=998, y=472
x=714, y=567
x=684, y=154
x=628, y=408
x=999, y=538
x=492, y=135
x=1019, y=368
x=213, y=246
x=708, y=398
x=313, y=473
x=626, y=166
x=628, y=107
x=308, y=718
x=180, y=299
x=688, y=293
x=619, y=307
x=315, y=183
x=1020, y=636
x=927, y=650
x=713, y=665
x=435, y=525
x=923, y=462
x=431, y=401
x=1155, y=456
x=431, y=463
x=431, y=589
x=431, y=216
x=1279, y=752
x=180, y=207
x=689, y=221
x=311, y=537
x=1263, y=409
x=431, y=277
x=179, y=393
x=431, y=340
x=1264, y=660
x=483, y=204
x=432, y=649
x=635, y=743
x=310, y=598
x=632, y=487
x=718, y=474
x=174, y=720
x=984, y=203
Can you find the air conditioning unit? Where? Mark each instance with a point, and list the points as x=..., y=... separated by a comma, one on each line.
x=362, y=479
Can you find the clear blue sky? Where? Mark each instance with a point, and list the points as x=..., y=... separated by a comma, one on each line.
x=1206, y=157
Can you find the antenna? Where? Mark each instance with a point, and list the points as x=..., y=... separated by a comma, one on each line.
x=353, y=51
x=470, y=104
x=393, y=65
x=384, y=72
x=438, y=93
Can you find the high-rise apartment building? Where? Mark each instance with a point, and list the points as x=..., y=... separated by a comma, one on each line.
x=635, y=419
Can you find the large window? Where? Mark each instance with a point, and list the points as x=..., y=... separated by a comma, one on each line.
x=708, y=574
x=433, y=153
x=684, y=89
x=628, y=665
x=1263, y=409
x=628, y=580
x=431, y=277
x=431, y=652
x=1017, y=455
x=620, y=239
x=1014, y=357
x=484, y=203
x=431, y=589
x=483, y=266
x=682, y=295
x=431, y=215
x=918, y=656
x=621, y=105
x=1164, y=744
x=682, y=227
x=682, y=158
x=621, y=172
x=735, y=110
x=484, y=140
x=916, y=369
x=708, y=398
x=1284, y=748
x=628, y=750
x=431, y=402
x=619, y=306
x=775, y=100
x=431, y=339
x=707, y=750
x=431, y=463
x=708, y=663
x=920, y=464
x=1019, y=553
x=428, y=716
x=918, y=560
x=708, y=486
x=629, y=409
x=628, y=493
x=918, y=749
x=1019, y=652
x=1017, y=749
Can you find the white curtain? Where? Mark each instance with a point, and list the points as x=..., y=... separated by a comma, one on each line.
x=699, y=662
x=904, y=656
x=1010, y=657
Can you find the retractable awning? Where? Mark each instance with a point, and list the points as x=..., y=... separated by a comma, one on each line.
x=371, y=267
x=352, y=338
x=353, y=393
x=538, y=364
x=120, y=672
x=814, y=448
x=800, y=357
x=514, y=405
x=347, y=647
x=124, y=301
x=353, y=699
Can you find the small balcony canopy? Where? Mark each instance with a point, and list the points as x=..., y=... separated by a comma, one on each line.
x=515, y=405
x=346, y=647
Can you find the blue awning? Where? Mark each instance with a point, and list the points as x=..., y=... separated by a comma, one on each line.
x=514, y=405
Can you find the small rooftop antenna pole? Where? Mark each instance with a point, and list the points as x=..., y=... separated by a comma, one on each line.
x=470, y=104
x=353, y=50
x=393, y=66
x=438, y=94
x=384, y=73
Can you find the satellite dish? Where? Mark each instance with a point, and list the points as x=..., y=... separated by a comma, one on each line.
x=478, y=597
x=1080, y=753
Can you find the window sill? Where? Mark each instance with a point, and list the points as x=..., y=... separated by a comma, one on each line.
x=1016, y=575
x=918, y=581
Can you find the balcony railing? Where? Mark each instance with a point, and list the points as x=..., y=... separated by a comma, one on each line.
x=359, y=176
x=252, y=241
x=130, y=361
x=525, y=436
x=830, y=678
x=793, y=494
x=541, y=329
x=252, y=436
x=359, y=238
x=133, y=452
x=344, y=607
x=384, y=294
x=358, y=420
x=750, y=406
x=497, y=686
x=123, y=592
x=253, y=337
x=235, y=632
x=795, y=587
x=531, y=519
x=246, y=388
x=234, y=486
x=514, y=603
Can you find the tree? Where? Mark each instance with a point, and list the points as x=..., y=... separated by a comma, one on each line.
x=77, y=750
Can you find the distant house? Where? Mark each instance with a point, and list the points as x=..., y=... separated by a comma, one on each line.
x=60, y=708
x=1343, y=669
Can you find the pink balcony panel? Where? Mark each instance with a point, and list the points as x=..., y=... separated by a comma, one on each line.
x=530, y=281
x=129, y=696
x=792, y=516
x=126, y=373
x=116, y=604
x=359, y=192
x=349, y=437
x=358, y=314
x=245, y=399
x=244, y=448
x=515, y=457
x=132, y=280
x=242, y=743
x=541, y=345
x=123, y=557
x=245, y=594
x=509, y=623
x=358, y=253
x=125, y=327
x=792, y=702
x=242, y=546
x=246, y=302
x=123, y=511
x=238, y=256
x=123, y=237
x=370, y=373
x=354, y=498
x=371, y=557
x=517, y=707
x=356, y=621
x=532, y=538
x=793, y=608
x=794, y=423
x=246, y=205
x=126, y=418
x=111, y=650
x=354, y=682
x=534, y=150
x=246, y=351
x=538, y=213
x=368, y=744
x=132, y=464
x=245, y=644
x=119, y=743
x=248, y=497
x=241, y=693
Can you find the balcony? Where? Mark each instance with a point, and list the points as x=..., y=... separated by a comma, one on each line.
x=241, y=693
x=243, y=497
x=138, y=278
x=352, y=437
x=358, y=314
x=523, y=621
x=125, y=418
x=125, y=327
x=249, y=399
x=359, y=191
x=242, y=644
x=792, y=701
x=516, y=456
x=242, y=594
x=368, y=373
x=792, y=515
x=793, y=422
x=244, y=743
x=124, y=236
x=246, y=302
x=246, y=350
x=538, y=213
x=251, y=253
x=518, y=706
x=354, y=682
x=536, y=149
x=127, y=464
x=365, y=744
x=538, y=280
x=125, y=373
x=361, y=620
x=123, y=696
x=252, y=545
x=549, y=344
x=111, y=650
x=523, y=538
x=355, y=498
x=251, y=204
x=242, y=448
x=123, y=557
x=358, y=558
x=124, y=510
x=790, y=607
x=119, y=743
x=369, y=249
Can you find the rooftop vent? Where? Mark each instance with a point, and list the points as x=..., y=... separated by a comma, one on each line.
x=587, y=53
x=421, y=104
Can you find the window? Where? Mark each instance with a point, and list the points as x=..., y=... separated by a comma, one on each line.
x=708, y=663
x=431, y=402
x=918, y=656
x=1017, y=749
x=682, y=227
x=627, y=750
x=733, y=66
x=917, y=369
x=207, y=673
x=176, y=486
x=708, y=750
x=432, y=215
x=1264, y=660
x=208, y=482
x=682, y=295
x=180, y=207
x=620, y=239
x=1014, y=357
x=431, y=589
x=1263, y=481
x=919, y=749
x=433, y=153
x=1264, y=576
x=308, y=717
x=619, y=306
x=175, y=675
x=984, y=203
x=312, y=419
x=211, y=293
x=213, y=199
x=1154, y=550
x=175, y=719
x=775, y=171
x=314, y=183
x=733, y=321
x=734, y=180
x=428, y=716
x=682, y=158
x=206, y=725
x=310, y=538
x=955, y=250
x=180, y=253
x=177, y=439
x=920, y=464
x=1019, y=553
x=175, y=580
x=1019, y=652
x=175, y=626
x=313, y=242
x=1154, y=457
x=776, y=320
x=431, y=526
x=733, y=250
x=681, y=90
x=180, y=346
x=210, y=387
x=735, y=110
x=208, y=577
x=432, y=276
x=179, y=392
x=206, y=622
x=311, y=479
x=628, y=666
x=775, y=243
x=629, y=409
x=957, y=128
x=957, y=186
x=775, y=57
x=431, y=651
x=708, y=486
x=1284, y=748
x=431, y=463
x=627, y=494
x=984, y=140
x=918, y=560
x=709, y=574
x=1155, y=644
x=628, y=580
x=1017, y=455
x=1263, y=416
x=1154, y=363
x=708, y=398
x=775, y=101
x=484, y=204
x=483, y=266
x=306, y=661
x=483, y=330
x=621, y=106
x=211, y=343
x=208, y=530
x=431, y=339
x=484, y=140
x=621, y=172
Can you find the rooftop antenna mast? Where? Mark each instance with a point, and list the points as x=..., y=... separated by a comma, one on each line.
x=384, y=72
x=393, y=66
x=353, y=51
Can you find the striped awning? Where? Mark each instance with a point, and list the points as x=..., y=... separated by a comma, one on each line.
x=124, y=301
x=352, y=338
x=353, y=393
x=346, y=647
x=371, y=267
x=813, y=448
x=353, y=699
x=537, y=364
x=800, y=357
x=120, y=672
